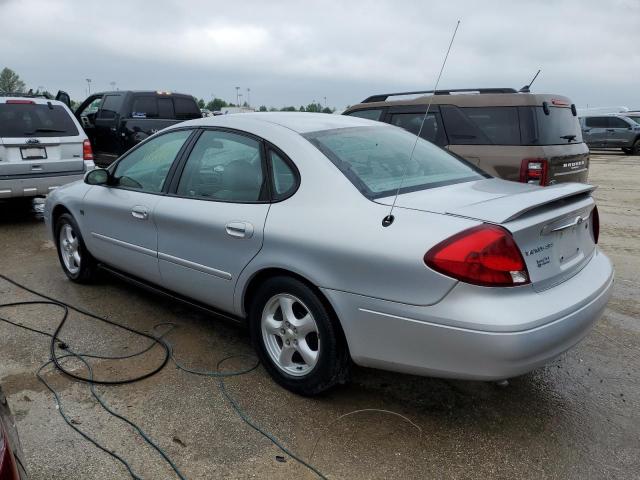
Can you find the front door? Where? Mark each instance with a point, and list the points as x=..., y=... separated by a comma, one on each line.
x=119, y=218
x=212, y=225
x=594, y=132
x=619, y=133
x=107, y=145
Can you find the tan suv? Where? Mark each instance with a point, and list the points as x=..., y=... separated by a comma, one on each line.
x=532, y=138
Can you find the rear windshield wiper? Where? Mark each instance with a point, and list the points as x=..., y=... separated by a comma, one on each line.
x=569, y=138
x=44, y=130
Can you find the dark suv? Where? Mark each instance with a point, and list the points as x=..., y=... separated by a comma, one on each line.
x=612, y=131
x=521, y=136
x=116, y=121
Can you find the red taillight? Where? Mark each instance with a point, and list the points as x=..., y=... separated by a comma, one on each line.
x=87, y=152
x=534, y=171
x=21, y=102
x=8, y=467
x=595, y=224
x=484, y=255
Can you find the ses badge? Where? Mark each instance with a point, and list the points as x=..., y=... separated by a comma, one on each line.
x=540, y=262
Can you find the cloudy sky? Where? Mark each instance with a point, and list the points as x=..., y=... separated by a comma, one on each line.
x=294, y=52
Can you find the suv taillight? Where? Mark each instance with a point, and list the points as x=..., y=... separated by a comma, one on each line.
x=485, y=255
x=87, y=152
x=534, y=171
x=595, y=224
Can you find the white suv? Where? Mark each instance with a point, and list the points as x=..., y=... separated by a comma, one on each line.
x=42, y=146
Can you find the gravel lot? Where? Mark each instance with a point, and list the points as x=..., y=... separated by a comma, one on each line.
x=576, y=418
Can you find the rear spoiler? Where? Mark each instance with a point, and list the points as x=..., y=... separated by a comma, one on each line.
x=508, y=208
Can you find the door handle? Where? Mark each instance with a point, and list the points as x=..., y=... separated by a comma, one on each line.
x=140, y=212
x=239, y=229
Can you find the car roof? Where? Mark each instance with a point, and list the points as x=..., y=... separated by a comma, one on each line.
x=36, y=100
x=470, y=99
x=300, y=122
x=145, y=92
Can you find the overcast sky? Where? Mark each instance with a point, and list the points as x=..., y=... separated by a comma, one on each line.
x=294, y=52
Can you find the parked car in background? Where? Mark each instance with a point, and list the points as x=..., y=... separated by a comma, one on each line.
x=42, y=146
x=11, y=457
x=116, y=121
x=278, y=220
x=618, y=131
x=525, y=137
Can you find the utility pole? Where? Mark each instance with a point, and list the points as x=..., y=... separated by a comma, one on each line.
x=325, y=103
x=238, y=96
x=88, y=86
x=240, y=100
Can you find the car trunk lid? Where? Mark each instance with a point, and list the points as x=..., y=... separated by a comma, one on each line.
x=551, y=225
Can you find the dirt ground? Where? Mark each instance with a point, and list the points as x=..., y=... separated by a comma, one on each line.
x=576, y=418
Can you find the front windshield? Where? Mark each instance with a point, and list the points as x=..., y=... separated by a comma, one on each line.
x=376, y=159
x=635, y=118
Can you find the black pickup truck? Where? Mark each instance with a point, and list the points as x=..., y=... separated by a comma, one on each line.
x=116, y=121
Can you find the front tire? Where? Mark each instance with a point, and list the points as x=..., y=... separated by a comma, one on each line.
x=75, y=259
x=297, y=337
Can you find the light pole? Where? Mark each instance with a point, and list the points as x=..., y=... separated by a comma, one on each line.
x=249, y=97
x=88, y=86
x=238, y=96
x=113, y=85
x=240, y=100
x=325, y=102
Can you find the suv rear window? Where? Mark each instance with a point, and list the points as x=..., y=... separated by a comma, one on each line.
x=558, y=128
x=35, y=120
x=377, y=160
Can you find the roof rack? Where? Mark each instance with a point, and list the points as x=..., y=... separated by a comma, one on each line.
x=382, y=97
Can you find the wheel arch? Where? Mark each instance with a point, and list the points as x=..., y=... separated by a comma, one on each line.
x=57, y=211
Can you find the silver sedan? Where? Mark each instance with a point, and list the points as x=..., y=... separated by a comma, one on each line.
x=285, y=221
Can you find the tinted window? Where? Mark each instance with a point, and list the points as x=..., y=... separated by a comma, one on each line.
x=615, y=122
x=284, y=178
x=371, y=114
x=432, y=129
x=144, y=107
x=186, y=108
x=34, y=120
x=635, y=118
x=460, y=129
x=165, y=108
x=596, y=122
x=557, y=128
x=110, y=106
x=223, y=166
x=378, y=160
x=499, y=124
x=146, y=167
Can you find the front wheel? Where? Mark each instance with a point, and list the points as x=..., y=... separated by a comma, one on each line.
x=75, y=259
x=297, y=337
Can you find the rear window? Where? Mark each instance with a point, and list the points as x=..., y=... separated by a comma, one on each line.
x=35, y=120
x=186, y=108
x=378, y=160
x=558, y=128
x=144, y=107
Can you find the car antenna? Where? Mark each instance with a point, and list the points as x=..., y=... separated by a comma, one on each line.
x=526, y=88
x=388, y=220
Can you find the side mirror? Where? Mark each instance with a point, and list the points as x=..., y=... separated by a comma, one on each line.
x=98, y=176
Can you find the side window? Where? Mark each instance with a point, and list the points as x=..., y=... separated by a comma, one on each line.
x=432, y=129
x=500, y=124
x=144, y=107
x=146, y=167
x=186, y=108
x=596, y=122
x=110, y=106
x=92, y=107
x=460, y=129
x=165, y=108
x=370, y=114
x=284, y=178
x=224, y=166
x=615, y=122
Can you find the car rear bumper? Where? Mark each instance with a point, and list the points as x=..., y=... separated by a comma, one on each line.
x=35, y=186
x=474, y=332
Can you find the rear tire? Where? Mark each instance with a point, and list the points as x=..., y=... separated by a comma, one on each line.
x=75, y=259
x=636, y=148
x=297, y=338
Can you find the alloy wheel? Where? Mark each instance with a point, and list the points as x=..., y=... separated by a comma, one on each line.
x=70, y=249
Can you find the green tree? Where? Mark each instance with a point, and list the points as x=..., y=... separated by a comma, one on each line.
x=263, y=108
x=217, y=104
x=201, y=103
x=302, y=109
x=327, y=110
x=288, y=109
x=273, y=109
x=10, y=81
x=314, y=107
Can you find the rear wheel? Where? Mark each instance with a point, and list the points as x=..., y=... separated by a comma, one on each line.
x=297, y=338
x=636, y=148
x=75, y=259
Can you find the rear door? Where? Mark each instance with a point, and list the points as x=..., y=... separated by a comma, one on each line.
x=38, y=138
x=619, y=133
x=595, y=131
x=211, y=227
x=412, y=118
